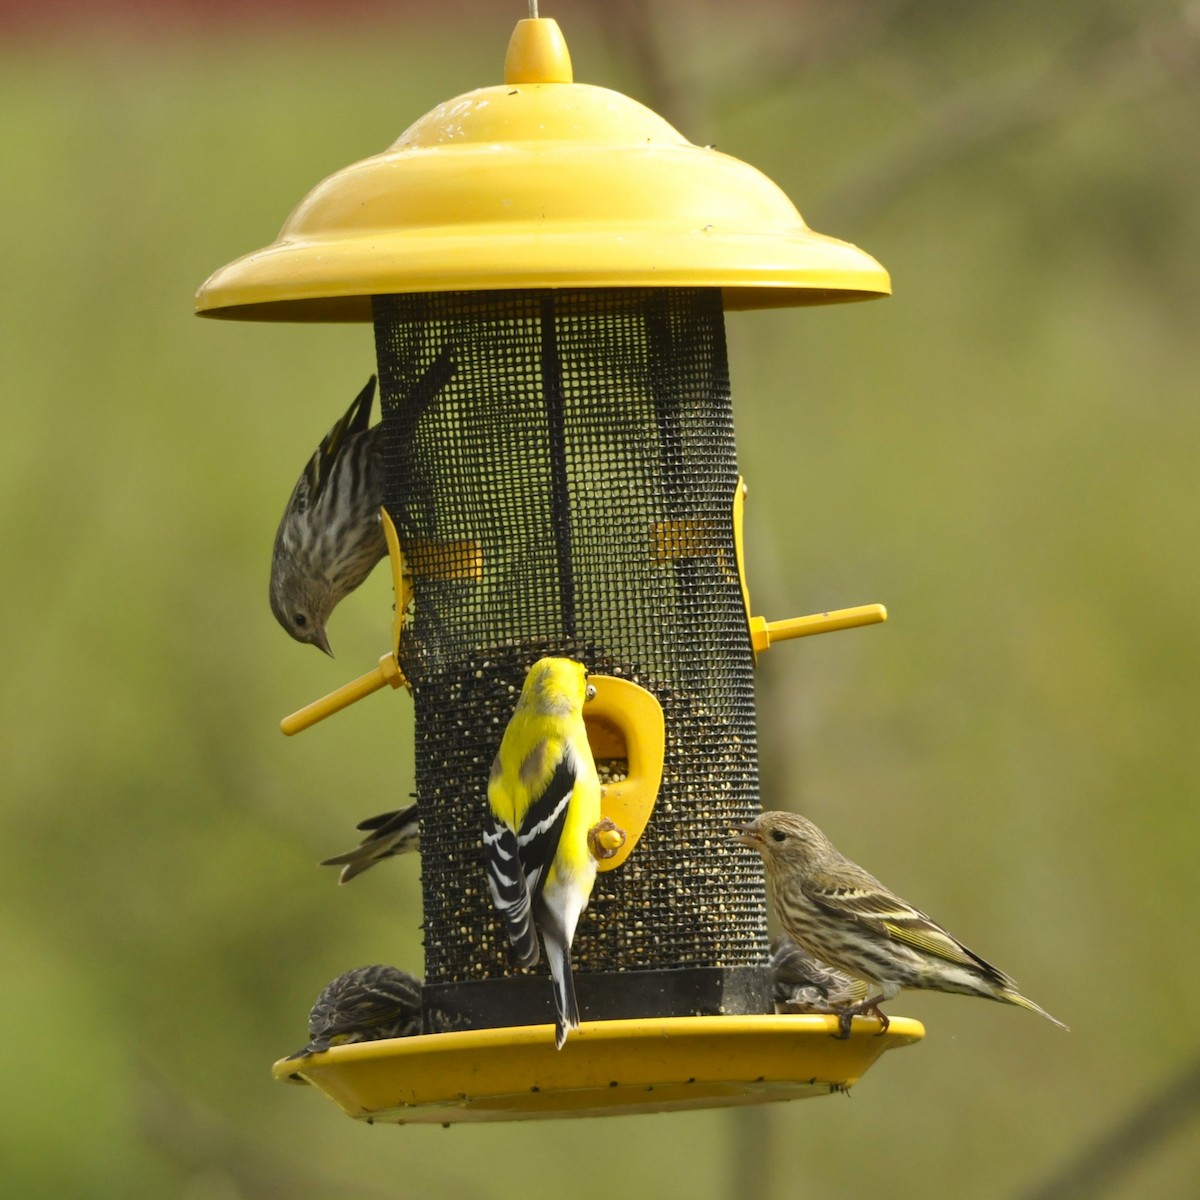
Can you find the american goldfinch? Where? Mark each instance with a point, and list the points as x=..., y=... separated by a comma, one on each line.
x=830, y=907
x=364, y=1005
x=543, y=801
x=389, y=833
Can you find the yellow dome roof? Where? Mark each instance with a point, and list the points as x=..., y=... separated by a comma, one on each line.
x=539, y=182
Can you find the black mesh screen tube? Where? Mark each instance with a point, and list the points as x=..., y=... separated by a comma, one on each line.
x=561, y=472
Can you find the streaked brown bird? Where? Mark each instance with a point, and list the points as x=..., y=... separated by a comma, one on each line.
x=388, y=834
x=800, y=984
x=330, y=535
x=837, y=912
x=366, y=1004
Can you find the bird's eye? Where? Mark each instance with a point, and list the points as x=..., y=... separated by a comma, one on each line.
x=299, y=620
x=777, y=835
x=590, y=694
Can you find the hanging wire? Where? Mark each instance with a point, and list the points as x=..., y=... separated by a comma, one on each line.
x=1135, y=1139
x=533, y=10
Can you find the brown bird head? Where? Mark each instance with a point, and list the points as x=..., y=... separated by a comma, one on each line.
x=302, y=605
x=786, y=841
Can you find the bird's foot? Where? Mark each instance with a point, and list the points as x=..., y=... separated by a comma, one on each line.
x=867, y=1007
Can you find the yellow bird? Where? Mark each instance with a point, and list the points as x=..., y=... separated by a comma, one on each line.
x=543, y=810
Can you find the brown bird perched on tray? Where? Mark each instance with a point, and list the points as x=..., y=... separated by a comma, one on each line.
x=366, y=1004
x=837, y=912
x=800, y=984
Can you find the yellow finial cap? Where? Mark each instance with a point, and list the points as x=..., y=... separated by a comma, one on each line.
x=537, y=53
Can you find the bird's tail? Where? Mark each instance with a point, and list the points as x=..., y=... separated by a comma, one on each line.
x=558, y=954
x=389, y=834
x=1012, y=996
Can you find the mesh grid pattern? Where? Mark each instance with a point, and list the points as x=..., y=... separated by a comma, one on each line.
x=568, y=490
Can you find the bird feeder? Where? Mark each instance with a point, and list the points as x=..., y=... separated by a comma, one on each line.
x=570, y=487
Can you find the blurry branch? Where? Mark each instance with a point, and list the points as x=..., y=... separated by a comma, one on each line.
x=645, y=35
x=649, y=36
x=749, y=1160
x=1135, y=1138
x=1118, y=71
x=200, y=1142
x=824, y=31
x=652, y=37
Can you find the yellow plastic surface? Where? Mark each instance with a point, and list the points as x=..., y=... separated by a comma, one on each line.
x=539, y=183
x=764, y=633
x=739, y=517
x=402, y=584
x=605, y=1068
x=625, y=721
x=387, y=673
x=537, y=53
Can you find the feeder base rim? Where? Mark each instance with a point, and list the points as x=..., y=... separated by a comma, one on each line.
x=605, y=1068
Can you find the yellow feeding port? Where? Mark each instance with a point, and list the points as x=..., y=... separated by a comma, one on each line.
x=539, y=182
x=628, y=739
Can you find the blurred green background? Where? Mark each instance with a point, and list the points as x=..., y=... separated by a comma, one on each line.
x=1006, y=454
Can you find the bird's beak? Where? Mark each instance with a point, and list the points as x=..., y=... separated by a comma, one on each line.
x=749, y=835
x=321, y=639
